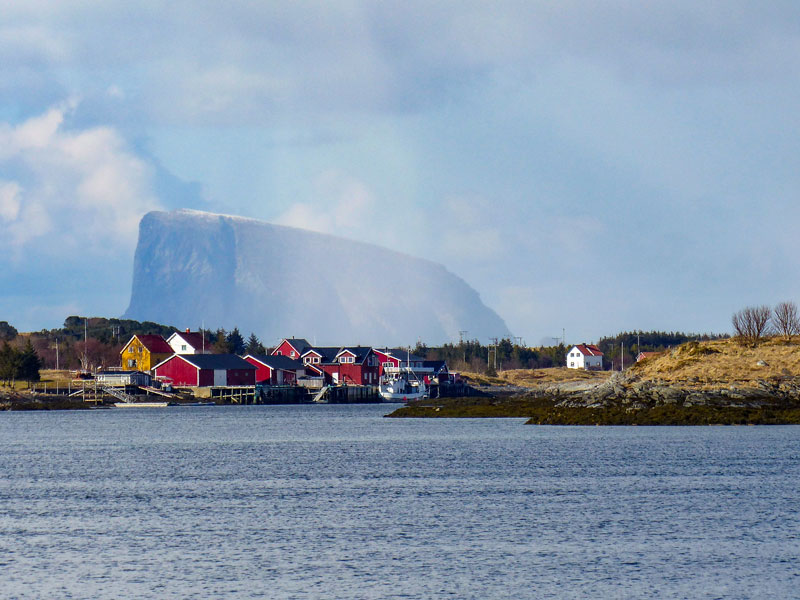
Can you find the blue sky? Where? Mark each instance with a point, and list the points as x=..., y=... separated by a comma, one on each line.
x=593, y=167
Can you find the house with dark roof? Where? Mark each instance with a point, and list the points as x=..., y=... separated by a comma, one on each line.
x=292, y=347
x=355, y=365
x=142, y=352
x=206, y=370
x=585, y=356
x=276, y=369
x=189, y=342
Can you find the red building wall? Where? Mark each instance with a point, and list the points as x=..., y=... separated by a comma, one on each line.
x=285, y=349
x=352, y=373
x=179, y=372
x=263, y=372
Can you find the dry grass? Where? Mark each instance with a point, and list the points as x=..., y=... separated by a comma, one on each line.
x=722, y=362
x=537, y=377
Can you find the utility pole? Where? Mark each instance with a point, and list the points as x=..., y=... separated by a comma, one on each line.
x=57, y=354
x=622, y=357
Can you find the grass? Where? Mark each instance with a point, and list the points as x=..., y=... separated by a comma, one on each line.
x=722, y=362
x=536, y=377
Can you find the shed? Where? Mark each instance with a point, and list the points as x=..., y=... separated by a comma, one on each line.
x=206, y=370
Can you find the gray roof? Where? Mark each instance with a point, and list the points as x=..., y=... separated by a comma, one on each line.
x=278, y=362
x=328, y=353
x=361, y=352
x=217, y=361
x=299, y=344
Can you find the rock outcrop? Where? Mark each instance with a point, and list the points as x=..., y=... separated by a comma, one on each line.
x=192, y=268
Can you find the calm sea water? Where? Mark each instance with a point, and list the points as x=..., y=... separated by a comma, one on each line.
x=337, y=502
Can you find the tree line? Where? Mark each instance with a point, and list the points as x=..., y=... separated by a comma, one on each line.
x=87, y=342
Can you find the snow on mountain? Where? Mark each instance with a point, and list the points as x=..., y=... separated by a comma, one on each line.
x=194, y=267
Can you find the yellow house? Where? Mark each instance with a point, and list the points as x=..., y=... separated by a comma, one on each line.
x=143, y=352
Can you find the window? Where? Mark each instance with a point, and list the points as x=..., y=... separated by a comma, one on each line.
x=278, y=353
x=292, y=354
x=183, y=347
x=572, y=364
x=347, y=359
x=131, y=362
x=316, y=360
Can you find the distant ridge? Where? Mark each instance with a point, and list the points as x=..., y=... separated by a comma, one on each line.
x=192, y=267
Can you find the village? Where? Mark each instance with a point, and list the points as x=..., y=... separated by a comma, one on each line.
x=295, y=371
x=182, y=366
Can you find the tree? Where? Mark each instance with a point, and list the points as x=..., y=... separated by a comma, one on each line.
x=7, y=332
x=752, y=323
x=786, y=321
x=8, y=363
x=29, y=364
x=235, y=342
x=221, y=343
x=254, y=346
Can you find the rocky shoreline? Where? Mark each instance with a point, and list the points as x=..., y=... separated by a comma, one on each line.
x=625, y=399
x=630, y=390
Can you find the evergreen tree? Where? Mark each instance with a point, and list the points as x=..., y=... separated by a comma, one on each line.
x=10, y=361
x=29, y=364
x=235, y=342
x=254, y=346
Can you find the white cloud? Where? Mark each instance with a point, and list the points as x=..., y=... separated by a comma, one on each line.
x=343, y=205
x=9, y=200
x=68, y=190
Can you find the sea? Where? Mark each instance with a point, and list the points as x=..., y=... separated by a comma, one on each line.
x=336, y=501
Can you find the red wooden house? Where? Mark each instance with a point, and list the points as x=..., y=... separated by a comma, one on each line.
x=206, y=370
x=356, y=365
x=276, y=369
x=292, y=347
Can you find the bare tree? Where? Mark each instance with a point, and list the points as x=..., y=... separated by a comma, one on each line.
x=752, y=323
x=786, y=321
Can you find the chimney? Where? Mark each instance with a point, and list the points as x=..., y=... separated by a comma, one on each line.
x=187, y=330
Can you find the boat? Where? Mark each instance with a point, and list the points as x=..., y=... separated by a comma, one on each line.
x=141, y=404
x=402, y=386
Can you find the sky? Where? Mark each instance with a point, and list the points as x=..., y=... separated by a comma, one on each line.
x=588, y=168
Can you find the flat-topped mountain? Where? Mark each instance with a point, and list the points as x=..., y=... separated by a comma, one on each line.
x=193, y=267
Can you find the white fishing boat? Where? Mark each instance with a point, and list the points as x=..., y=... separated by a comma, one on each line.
x=401, y=385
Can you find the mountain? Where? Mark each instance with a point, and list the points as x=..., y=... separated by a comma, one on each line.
x=193, y=267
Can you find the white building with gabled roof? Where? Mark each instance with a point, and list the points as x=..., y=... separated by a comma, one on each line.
x=585, y=356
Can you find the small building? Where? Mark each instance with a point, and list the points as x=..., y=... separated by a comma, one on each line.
x=189, y=342
x=276, y=369
x=123, y=378
x=143, y=352
x=643, y=355
x=292, y=347
x=440, y=372
x=585, y=356
x=206, y=370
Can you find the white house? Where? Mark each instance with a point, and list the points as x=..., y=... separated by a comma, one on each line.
x=585, y=356
x=189, y=342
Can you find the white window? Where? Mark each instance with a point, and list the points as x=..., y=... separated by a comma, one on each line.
x=316, y=360
x=572, y=364
x=292, y=354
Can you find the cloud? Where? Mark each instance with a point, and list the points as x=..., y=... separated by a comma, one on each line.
x=342, y=205
x=63, y=190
